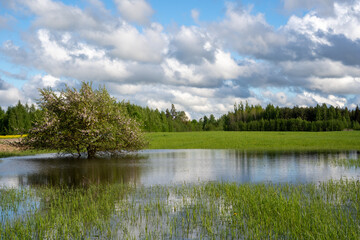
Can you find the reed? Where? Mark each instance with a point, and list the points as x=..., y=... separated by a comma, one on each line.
x=328, y=210
x=347, y=163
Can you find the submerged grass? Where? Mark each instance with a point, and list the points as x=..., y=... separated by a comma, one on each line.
x=262, y=141
x=348, y=163
x=327, y=210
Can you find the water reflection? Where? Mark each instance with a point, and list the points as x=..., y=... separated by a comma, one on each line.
x=152, y=167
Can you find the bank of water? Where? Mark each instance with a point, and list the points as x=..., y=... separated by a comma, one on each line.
x=182, y=194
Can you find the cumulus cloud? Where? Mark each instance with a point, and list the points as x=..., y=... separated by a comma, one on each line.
x=344, y=21
x=206, y=74
x=192, y=45
x=126, y=42
x=202, y=69
x=276, y=98
x=245, y=32
x=330, y=99
x=9, y=95
x=341, y=49
x=323, y=7
x=344, y=85
x=137, y=11
x=58, y=16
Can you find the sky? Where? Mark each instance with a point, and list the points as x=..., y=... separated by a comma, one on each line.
x=203, y=56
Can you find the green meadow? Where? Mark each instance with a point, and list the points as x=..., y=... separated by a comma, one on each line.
x=257, y=141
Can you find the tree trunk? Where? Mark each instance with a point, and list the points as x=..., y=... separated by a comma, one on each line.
x=91, y=151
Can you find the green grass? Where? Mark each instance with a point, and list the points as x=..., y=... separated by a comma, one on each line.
x=327, y=210
x=259, y=141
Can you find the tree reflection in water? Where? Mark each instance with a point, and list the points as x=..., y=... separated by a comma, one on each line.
x=82, y=172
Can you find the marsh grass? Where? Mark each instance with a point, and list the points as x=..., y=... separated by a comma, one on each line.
x=348, y=163
x=259, y=141
x=327, y=210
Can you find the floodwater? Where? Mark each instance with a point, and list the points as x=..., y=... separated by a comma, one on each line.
x=165, y=167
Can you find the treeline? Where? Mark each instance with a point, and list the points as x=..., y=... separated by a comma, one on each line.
x=319, y=118
x=17, y=119
x=161, y=121
x=247, y=117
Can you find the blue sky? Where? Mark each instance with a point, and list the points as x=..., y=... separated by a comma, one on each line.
x=201, y=55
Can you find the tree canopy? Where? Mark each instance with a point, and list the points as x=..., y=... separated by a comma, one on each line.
x=87, y=120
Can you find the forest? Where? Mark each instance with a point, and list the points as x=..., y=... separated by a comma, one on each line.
x=18, y=119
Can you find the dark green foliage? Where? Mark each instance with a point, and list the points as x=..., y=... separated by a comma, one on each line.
x=17, y=119
x=244, y=118
x=156, y=121
x=319, y=118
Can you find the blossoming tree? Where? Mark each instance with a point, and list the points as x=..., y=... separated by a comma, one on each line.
x=87, y=120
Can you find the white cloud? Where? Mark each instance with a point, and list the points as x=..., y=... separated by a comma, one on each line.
x=9, y=95
x=224, y=67
x=330, y=99
x=276, y=98
x=320, y=67
x=344, y=85
x=138, y=11
x=126, y=42
x=56, y=15
x=179, y=73
x=192, y=45
x=246, y=33
x=202, y=69
x=158, y=104
x=125, y=89
x=51, y=48
x=195, y=15
x=188, y=99
x=30, y=88
x=345, y=20
x=76, y=60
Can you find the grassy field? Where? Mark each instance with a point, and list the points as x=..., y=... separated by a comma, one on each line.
x=259, y=141
x=252, y=141
x=327, y=210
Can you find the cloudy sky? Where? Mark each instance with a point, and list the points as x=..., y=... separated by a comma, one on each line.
x=201, y=55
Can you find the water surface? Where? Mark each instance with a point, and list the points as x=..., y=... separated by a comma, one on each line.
x=151, y=167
